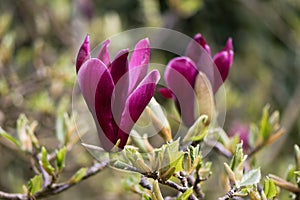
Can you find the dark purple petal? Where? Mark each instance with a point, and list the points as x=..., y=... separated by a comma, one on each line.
x=197, y=47
x=84, y=53
x=224, y=59
x=135, y=105
x=201, y=40
x=166, y=92
x=228, y=45
x=119, y=66
x=104, y=53
x=120, y=75
x=139, y=61
x=180, y=78
x=183, y=65
x=96, y=86
x=88, y=78
x=103, y=111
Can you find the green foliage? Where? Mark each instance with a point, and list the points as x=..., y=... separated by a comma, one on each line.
x=252, y=177
x=60, y=128
x=198, y=130
x=185, y=195
x=238, y=157
x=37, y=59
x=26, y=135
x=167, y=160
x=9, y=137
x=45, y=162
x=78, y=176
x=156, y=194
x=60, y=158
x=270, y=188
x=265, y=125
x=290, y=172
x=35, y=184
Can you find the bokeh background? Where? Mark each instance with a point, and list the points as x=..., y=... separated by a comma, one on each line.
x=39, y=40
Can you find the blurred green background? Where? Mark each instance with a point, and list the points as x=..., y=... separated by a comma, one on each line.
x=39, y=40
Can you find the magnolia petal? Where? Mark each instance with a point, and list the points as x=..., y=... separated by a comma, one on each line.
x=96, y=87
x=228, y=45
x=197, y=47
x=119, y=66
x=135, y=104
x=84, y=53
x=103, y=97
x=120, y=75
x=183, y=65
x=201, y=40
x=180, y=77
x=139, y=61
x=166, y=92
x=104, y=53
x=223, y=61
x=88, y=78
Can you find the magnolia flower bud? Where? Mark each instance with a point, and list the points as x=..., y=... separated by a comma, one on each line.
x=204, y=103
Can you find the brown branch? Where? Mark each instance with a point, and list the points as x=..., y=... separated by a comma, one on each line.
x=284, y=184
x=12, y=196
x=270, y=140
x=54, y=189
x=60, y=187
x=229, y=194
x=173, y=185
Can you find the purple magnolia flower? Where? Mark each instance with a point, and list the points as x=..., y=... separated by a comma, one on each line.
x=181, y=72
x=116, y=91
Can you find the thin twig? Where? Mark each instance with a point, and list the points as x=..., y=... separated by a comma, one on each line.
x=173, y=185
x=219, y=148
x=12, y=196
x=270, y=140
x=57, y=188
x=284, y=184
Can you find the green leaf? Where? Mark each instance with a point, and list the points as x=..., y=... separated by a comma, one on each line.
x=35, y=184
x=60, y=128
x=141, y=166
x=25, y=140
x=45, y=162
x=198, y=130
x=290, y=172
x=175, y=156
x=238, y=157
x=265, y=126
x=9, y=137
x=60, y=158
x=156, y=191
x=194, y=152
x=250, y=178
x=270, y=188
x=230, y=174
x=253, y=137
x=78, y=175
x=168, y=174
x=146, y=197
x=123, y=165
x=297, y=173
x=186, y=194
